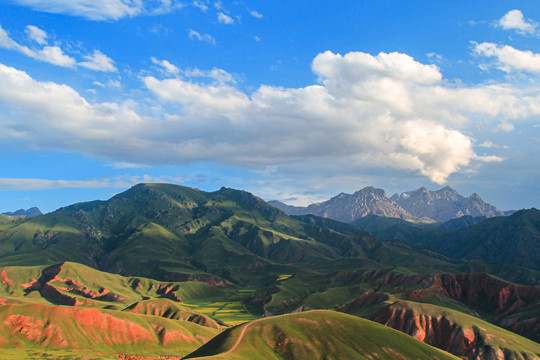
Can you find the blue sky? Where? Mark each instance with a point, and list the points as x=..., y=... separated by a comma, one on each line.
x=296, y=101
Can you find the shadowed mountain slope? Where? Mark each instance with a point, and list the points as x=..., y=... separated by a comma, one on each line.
x=171, y=232
x=513, y=239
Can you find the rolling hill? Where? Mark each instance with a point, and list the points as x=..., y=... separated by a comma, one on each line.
x=176, y=260
x=315, y=335
x=171, y=232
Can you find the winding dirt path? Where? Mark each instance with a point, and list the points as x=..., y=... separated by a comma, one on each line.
x=228, y=352
x=240, y=337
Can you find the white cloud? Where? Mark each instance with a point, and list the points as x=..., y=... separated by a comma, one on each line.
x=255, y=14
x=490, y=159
x=509, y=58
x=7, y=43
x=36, y=34
x=101, y=10
x=194, y=35
x=224, y=18
x=219, y=75
x=117, y=182
x=514, y=20
x=54, y=54
x=114, y=84
x=98, y=61
x=201, y=5
x=127, y=165
x=490, y=145
x=92, y=10
x=167, y=66
x=384, y=111
x=51, y=54
x=201, y=99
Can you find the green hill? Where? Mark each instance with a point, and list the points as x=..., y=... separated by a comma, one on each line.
x=171, y=232
x=224, y=258
x=49, y=330
x=315, y=335
x=513, y=239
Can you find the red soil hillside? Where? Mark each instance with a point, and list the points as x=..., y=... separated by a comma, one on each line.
x=316, y=335
x=60, y=327
x=457, y=333
x=170, y=310
x=512, y=306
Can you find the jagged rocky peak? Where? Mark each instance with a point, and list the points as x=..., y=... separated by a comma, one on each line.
x=418, y=205
x=349, y=207
x=370, y=190
x=444, y=204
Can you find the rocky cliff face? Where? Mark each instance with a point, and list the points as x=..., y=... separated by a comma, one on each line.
x=444, y=204
x=347, y=207
x=422, y=204
x=448, y=332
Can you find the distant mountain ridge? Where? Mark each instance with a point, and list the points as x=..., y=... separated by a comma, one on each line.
x=513, y=239
x=33, y=211
x=420, y=205
x=347, y=207
x=444, y=204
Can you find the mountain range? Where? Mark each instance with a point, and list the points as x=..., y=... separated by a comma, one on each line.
x=34, y=211
x=513, y=239
x=420, y=205
x=167, y=271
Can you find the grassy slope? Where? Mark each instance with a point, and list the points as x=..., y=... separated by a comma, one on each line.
x=171, y=232
x=102, y=331
x=316, y=335
x=425, y=320
x=513, y=239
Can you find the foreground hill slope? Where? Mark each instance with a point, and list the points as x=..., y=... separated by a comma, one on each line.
x=61, y=327
x=463, y=335
x=315, y=335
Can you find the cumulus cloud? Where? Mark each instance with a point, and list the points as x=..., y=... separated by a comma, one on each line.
x=509, y=58
x=194, y=35
x=514, y=20
x=36, y=34
x=383, y=111
x=51, y=54
x=167, y=66
x=100, y=10
x=224, y=18
x=216, y=74
x=255, y=14
x=201, y=99
x=98, y=61
x=54, y=54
